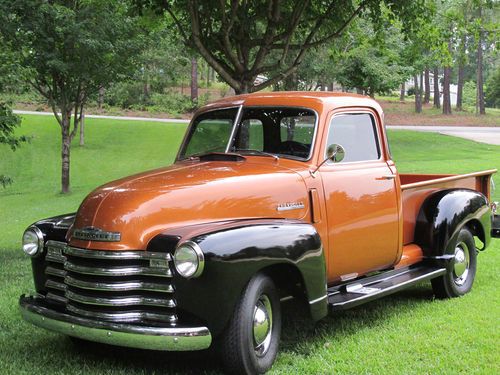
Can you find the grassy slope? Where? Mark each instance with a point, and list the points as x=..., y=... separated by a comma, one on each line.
x=407, y=333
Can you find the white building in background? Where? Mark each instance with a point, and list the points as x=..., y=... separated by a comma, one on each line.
x=453, y=88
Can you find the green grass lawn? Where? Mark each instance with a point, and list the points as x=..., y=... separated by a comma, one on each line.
x=409, y=333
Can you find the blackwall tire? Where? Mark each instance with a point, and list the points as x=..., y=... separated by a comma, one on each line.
x=460, y=275
x=251, y=340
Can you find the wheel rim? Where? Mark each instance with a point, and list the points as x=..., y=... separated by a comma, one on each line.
x=262, y=325
x=461, y=263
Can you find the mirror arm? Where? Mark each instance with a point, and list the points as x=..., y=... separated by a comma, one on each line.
x=313, y=173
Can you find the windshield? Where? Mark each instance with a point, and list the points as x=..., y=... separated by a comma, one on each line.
x=280, y=131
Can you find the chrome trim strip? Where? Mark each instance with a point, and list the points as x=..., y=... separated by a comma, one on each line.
x=117, y=271
x=129, y=316
x=111, y=254
x=312, y=302
x=119, y=285
x=119, y=301
x=134, y=336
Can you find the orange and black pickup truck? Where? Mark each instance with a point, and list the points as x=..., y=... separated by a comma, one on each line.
x=271, y=195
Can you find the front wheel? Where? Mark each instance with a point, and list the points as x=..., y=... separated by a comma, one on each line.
x=250, y=342
x=459, y=278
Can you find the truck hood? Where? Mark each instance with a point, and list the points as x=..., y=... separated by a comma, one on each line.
x=144, y=205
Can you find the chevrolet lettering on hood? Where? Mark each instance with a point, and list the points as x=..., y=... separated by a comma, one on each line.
x=96, y=234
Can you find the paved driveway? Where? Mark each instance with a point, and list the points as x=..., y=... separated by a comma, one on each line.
x=490, y=135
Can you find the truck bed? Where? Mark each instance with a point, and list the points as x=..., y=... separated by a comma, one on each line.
x=416, y=187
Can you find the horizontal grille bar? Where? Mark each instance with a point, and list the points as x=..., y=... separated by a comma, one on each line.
x=118, y=286
x=57, y=298
x=95, y=254
x=55, y=285
x=55, y=271
x=117, y=271
x=129, y=316
x=119, y=301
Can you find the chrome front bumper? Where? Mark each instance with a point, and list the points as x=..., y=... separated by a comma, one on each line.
x=35, y=311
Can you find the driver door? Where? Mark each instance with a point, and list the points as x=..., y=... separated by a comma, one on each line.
x=361, y=199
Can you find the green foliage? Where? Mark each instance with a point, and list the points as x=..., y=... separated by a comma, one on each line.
x=242, y=40
x=492, y=91
x=71, y=48
x=8, y=123
x=469, y=95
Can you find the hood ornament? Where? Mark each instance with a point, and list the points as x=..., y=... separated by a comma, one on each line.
x=96, y=234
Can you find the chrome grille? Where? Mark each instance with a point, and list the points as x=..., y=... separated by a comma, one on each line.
x=119, y=286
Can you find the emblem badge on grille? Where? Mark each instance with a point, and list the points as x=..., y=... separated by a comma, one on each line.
x=96, y=234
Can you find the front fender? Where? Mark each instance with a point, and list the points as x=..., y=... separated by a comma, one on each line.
x=444, y=213
x=233, y=255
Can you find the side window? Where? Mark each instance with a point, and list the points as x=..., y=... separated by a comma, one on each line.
x=355, y=132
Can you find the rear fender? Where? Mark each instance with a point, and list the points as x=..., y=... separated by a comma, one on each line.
x=445, y=213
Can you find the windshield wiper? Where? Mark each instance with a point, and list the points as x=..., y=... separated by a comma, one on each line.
x=257, y=152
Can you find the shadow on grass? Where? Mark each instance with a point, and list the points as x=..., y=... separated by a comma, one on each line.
x=300, y=335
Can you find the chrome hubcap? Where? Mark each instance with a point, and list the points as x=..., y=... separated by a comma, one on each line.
x=461, y=263
x=262, y=325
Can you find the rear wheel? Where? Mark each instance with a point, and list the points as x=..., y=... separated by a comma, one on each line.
x=250, y=342
x=460, y=275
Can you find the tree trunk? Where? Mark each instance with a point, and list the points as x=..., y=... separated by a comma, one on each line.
x=446, y=91
x=437, y=96
x=82, y=128
x=427, y=96
x=291, y=82
x=418, y=98
x=402, y=92
x=446, y=86
x=100, y=97
x=460, y=85
x=208, y=75
x=65, y=149
x=194, y=79
x=330, y=86
x=480, y=107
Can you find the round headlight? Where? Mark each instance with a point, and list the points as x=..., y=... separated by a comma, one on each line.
x=32, y=241
x=189, y=260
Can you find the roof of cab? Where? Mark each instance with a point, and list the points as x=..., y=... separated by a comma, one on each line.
x=317, y=100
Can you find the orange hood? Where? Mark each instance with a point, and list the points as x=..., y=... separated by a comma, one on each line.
x=144, y=205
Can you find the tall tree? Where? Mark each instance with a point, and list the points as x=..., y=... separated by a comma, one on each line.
x=480, y=106
x=242, y=40
x=437, y=93
x=72, y=49
x=427, y=82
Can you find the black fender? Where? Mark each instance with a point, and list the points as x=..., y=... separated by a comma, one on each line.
x=53, y=228
x=444, y=213
x=290, y=252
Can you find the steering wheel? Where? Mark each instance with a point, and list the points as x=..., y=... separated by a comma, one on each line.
x=294, y=148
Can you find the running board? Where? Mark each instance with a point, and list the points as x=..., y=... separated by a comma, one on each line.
x=354, y=293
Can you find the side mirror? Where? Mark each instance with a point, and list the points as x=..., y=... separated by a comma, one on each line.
x=335, y=153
